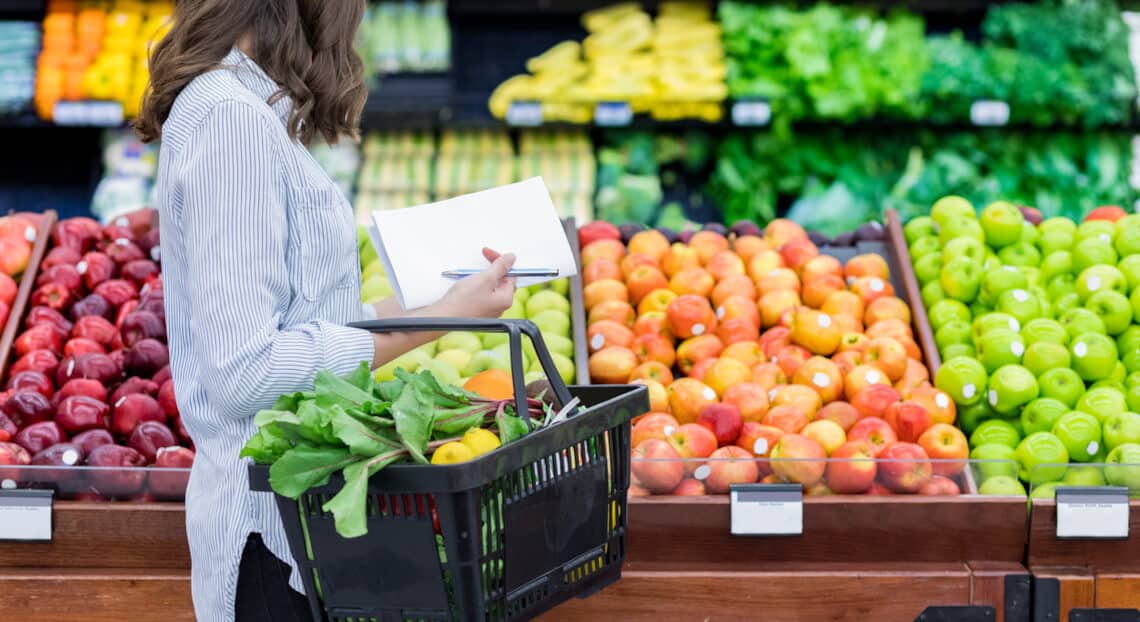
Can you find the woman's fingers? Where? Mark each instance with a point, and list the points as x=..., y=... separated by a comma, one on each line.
x=490, y=255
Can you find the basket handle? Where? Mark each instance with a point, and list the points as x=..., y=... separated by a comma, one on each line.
x=515, y=329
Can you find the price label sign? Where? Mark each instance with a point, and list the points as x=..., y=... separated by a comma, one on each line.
x=1092, y=513
x=613, y=114
x=767, y=509
x=25, y=515
x=751, y=113
x=525, y=114
x=88, y=113
x=989, y=113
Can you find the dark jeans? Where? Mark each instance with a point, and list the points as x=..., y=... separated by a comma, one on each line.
x=263, y=592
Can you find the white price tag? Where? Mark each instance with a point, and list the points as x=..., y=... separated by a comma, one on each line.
x=989, y=113
x=525, y=114
x=767, y=510
x=25, y=515
x=613, y=114
x=1099, y=513
x=753, y=113
x=88, y=113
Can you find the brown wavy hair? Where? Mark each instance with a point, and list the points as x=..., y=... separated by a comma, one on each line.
x=305, y=46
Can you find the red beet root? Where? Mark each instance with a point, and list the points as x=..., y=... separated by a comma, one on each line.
x=31, y=381
x=171, y=485
x=93, y=305
x=96, y=268
x=117, y=291
x=166, y=399
x=149, y=437
x=95, y=328
x=42, y=361
x=42, y=337
x=132, y=386
x=146, y=357
x=27, y=407
x=99, y=367
x=39, y=436
x=80, y=413
x=50, y=317
x=118, y=482
x=84, y=386
x=52, y=295
x=142, y=324
x=89, y=440
x=131, y=410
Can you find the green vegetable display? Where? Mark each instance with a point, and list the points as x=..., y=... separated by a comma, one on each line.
x=359, y=426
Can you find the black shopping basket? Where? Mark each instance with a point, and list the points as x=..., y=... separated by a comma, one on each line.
x=506, y=536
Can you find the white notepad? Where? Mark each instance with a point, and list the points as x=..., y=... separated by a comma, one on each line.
x=417, y=244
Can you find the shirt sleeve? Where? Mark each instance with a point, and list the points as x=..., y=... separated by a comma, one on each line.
x=235, y=227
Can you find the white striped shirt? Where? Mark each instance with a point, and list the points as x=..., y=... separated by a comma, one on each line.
x=261, y=274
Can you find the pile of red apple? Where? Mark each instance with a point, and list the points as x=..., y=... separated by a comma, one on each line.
x=89, y=381
x=765, y=361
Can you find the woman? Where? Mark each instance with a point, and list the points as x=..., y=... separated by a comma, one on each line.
x=260, y=262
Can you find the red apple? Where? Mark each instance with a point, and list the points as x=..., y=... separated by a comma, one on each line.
x=657, y=466
x=730, y=465
x=943, y=441
x=905, y=467
x=690, y=488
x=723, y=420
x=875, y=431
x=797, y=458
x=940, y=486
x=909, y=420
x=853, y=468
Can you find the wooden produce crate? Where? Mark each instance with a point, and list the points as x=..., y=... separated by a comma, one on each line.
x=27, y=283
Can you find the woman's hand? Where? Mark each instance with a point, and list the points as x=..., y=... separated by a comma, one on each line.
x=484, y=295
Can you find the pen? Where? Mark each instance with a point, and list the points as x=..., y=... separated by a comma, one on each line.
x=520, y=272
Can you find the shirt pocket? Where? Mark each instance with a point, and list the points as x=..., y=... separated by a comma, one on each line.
x=326, y=244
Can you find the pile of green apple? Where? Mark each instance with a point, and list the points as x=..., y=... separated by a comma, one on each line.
x=457, y=356
x=1038, y=327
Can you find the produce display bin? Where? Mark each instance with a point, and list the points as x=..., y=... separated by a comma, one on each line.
x=27, y=283
x=577, y=309
x=521, y=529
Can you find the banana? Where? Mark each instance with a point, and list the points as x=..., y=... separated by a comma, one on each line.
x=564, y=53
x=599, y=19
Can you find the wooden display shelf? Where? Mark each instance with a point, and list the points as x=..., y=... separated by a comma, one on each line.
x=27, y=283
x=96, y=595
x=1103, y=555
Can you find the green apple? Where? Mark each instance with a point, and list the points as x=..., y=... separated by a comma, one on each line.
x=991, y=262
x=1056, y=263
x=1121, y=428
x=999, y=347
x=963, y=379
x=954, y=332
x=988, y=322
x=1010, y=388
x=1002, y=223
x=1094, y=356
x=1131, y=220
x=997, y=431
x=522, y=295
x=928, y=268
x=1062, y=384
x=925, y=246
x=1102, y=402
x=955, y=228
x=945, y=311
x=964, y=247
x=992, y=460
x=1080, y=432
x=1129, y=339
x=1040, y=414
x=1042, y=356
x=1127, y=240
x=455, y=357
x=559, y=344
x=1002, y=486
x=1080, y=322
x=955, y=350
x=410, y=361
x=970, y=417
x=1132, y=397
x=444, y=372
x=373, y=269
x=1057, y=223
x=1032, y=276
x=552, y=322
x=1083, y=476
x=545, y=300
x=1091, y=252
x=932, y=294
x=918, y=228
x=1029, y=233
x=999, y=280
x=1102, y=229
x=1045, y=490
x=1118, y=375
x=487, y=359
x=517, y=311
x=1132, y=379
x=1061, y=285
x=1044, y=330
x=1134, y=300
x=1113, y=308
x=375, y=288
x=565, y=367
x=1122, y=466
x=534, y=375
x=960, y=278
x=1096, y=278
x=1041, y=457
x=561, y=287
x=1130, y=268
x=1021, y=304
x=1043, y=302
x=977, y=309
x=1054, y=241
x=490, y=340
x=951, y=206
x=1020, y=254
x=461, y=340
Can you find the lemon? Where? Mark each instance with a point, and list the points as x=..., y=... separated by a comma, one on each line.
x=480, y=441
x=452, y=453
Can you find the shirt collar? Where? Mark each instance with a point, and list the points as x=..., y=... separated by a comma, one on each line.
x=254, y=78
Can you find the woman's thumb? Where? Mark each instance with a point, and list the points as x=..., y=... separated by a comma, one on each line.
x=501, y=266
